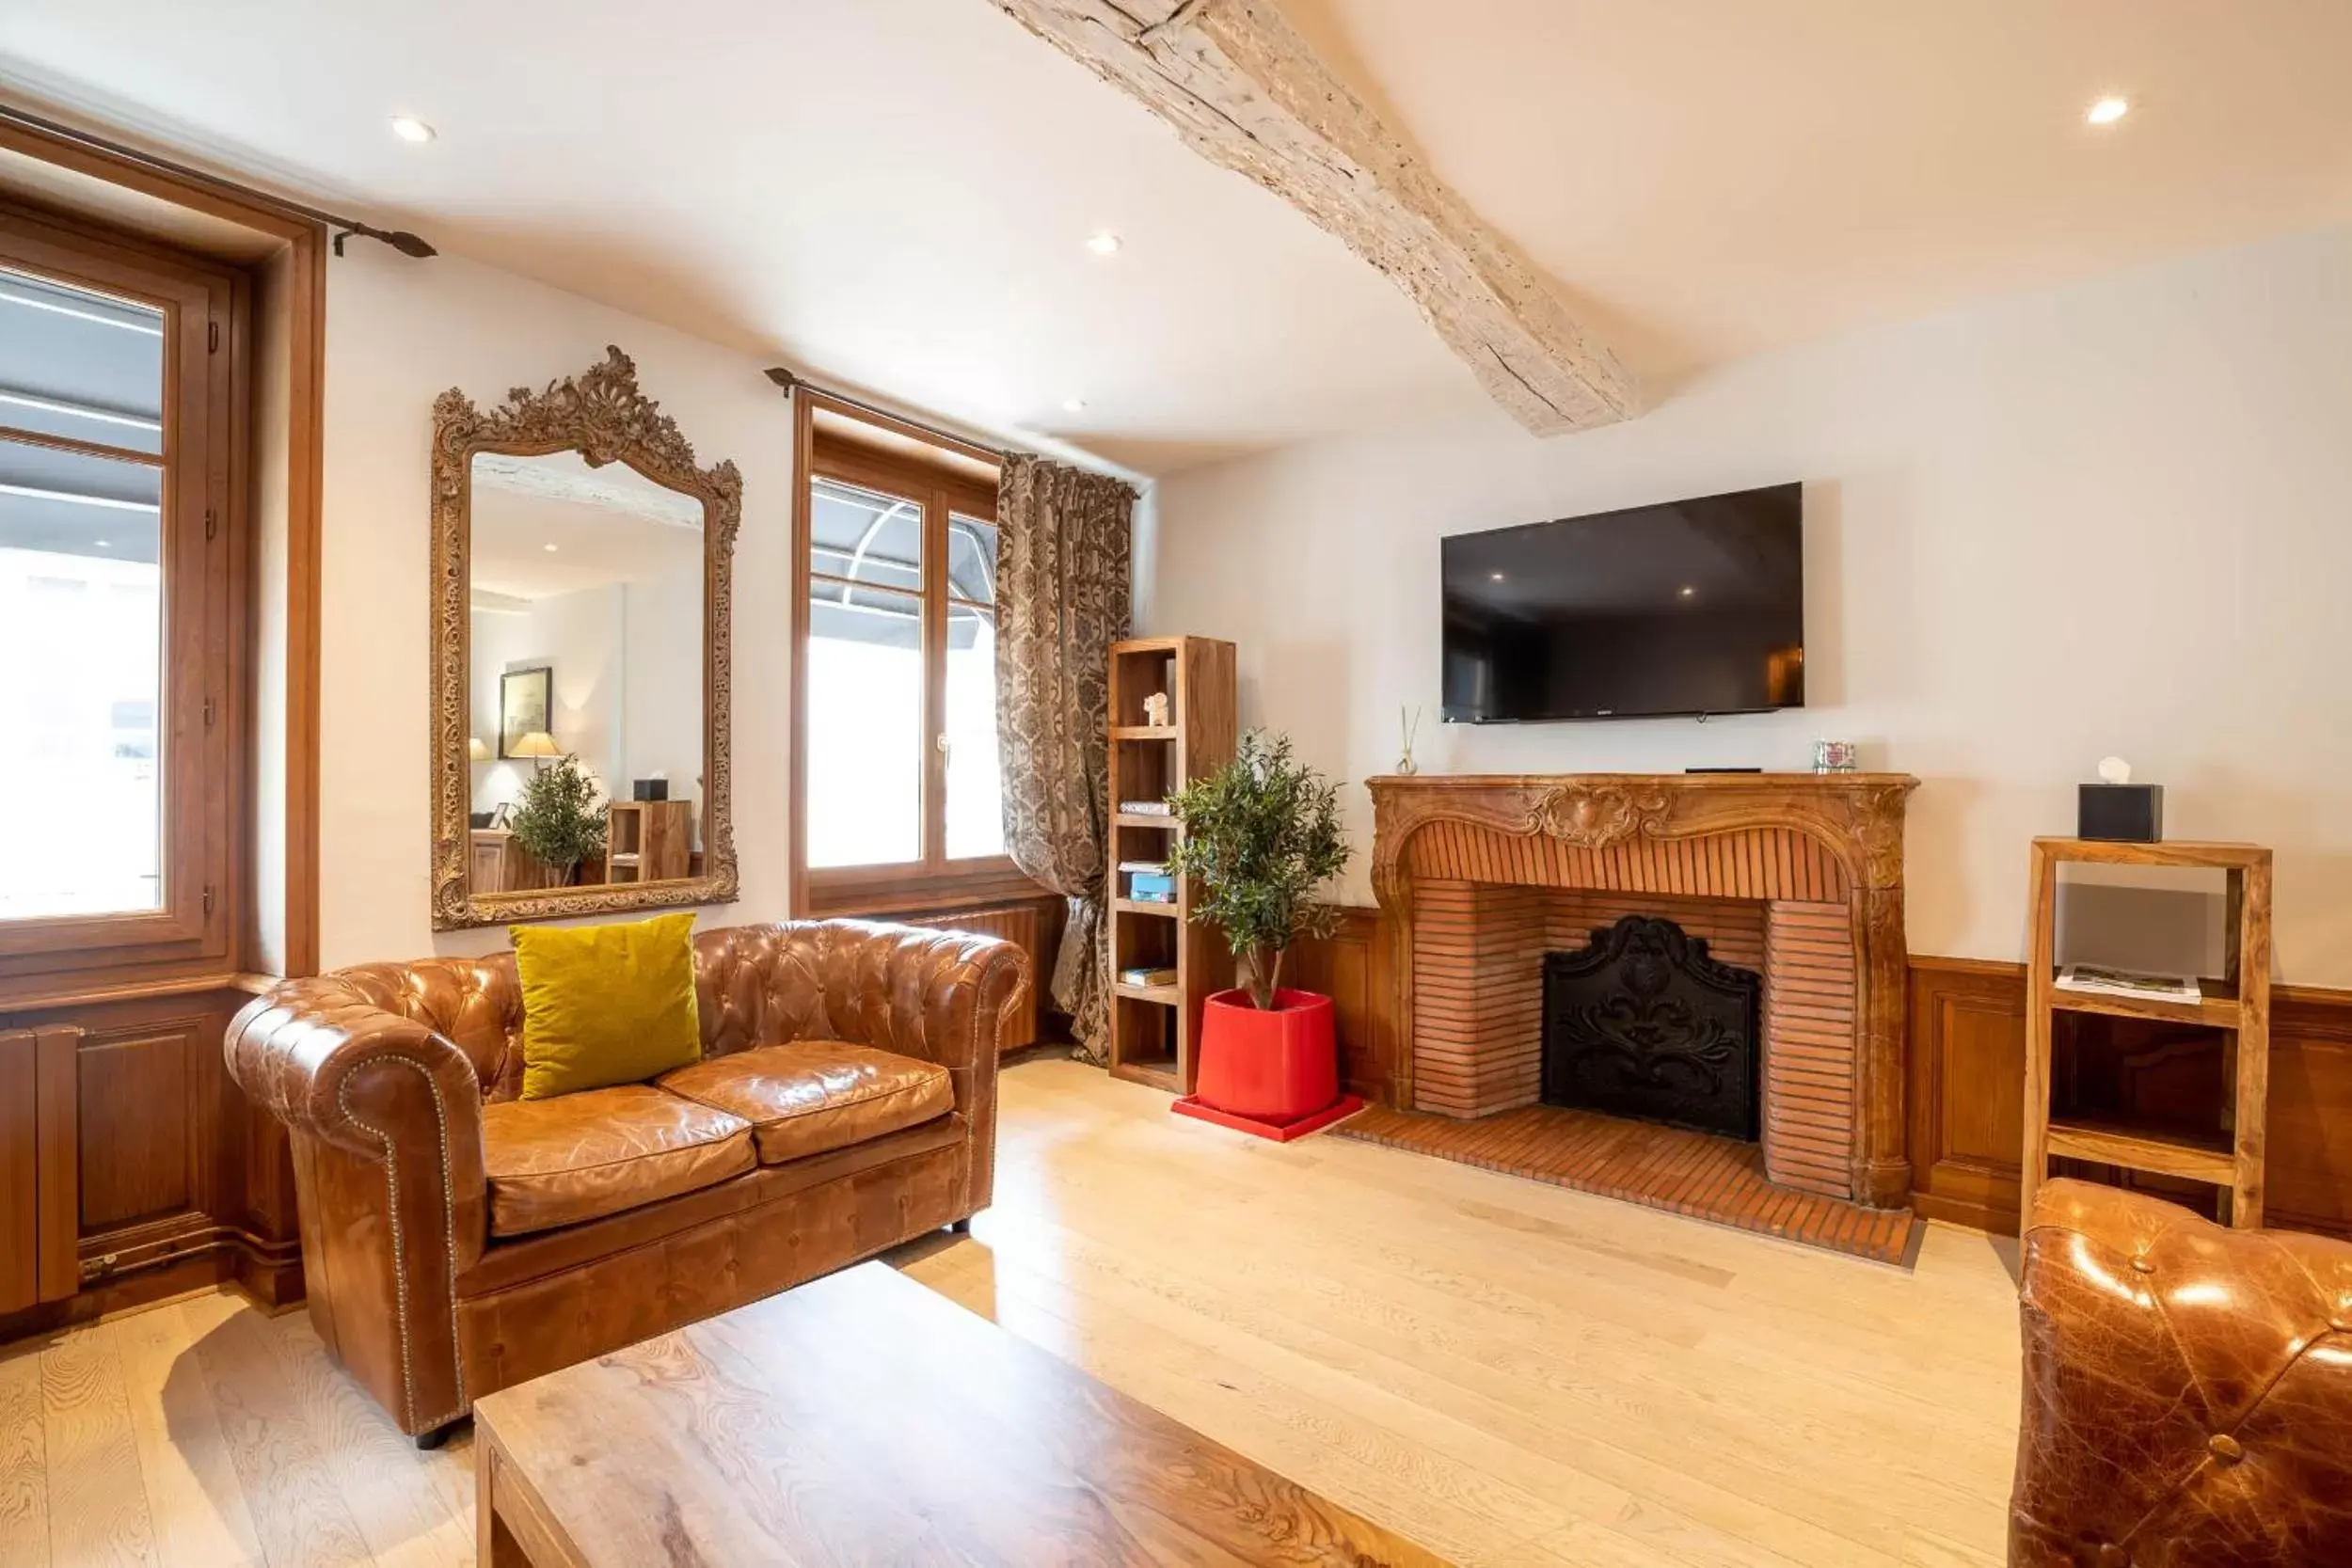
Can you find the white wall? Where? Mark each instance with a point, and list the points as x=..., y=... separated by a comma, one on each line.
x=399, y=332
x=2115, y=518
x=663, y=683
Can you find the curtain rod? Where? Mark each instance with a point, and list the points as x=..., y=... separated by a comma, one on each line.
x=399, y=239
x=791, y=383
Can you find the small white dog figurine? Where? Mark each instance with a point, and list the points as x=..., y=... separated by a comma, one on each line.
x=1155, y=710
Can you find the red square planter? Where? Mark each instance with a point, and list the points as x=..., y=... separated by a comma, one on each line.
x=1272, y=1072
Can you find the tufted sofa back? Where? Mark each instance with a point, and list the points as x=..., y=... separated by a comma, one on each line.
x=2188, y=1390
x=753, y=984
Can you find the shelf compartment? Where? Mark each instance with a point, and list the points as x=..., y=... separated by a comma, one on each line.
x=2199, y=1159
x=2219, y=1006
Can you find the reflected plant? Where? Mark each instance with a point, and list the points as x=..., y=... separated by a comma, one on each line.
x=558, y=819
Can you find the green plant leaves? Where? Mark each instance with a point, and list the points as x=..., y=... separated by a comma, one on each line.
x=558, y=817
x=1260, y=835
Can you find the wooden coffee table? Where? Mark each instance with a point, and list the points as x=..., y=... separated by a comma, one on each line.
x=862, y=1418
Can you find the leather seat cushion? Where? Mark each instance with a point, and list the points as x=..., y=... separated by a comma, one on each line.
x=582, y=1156
x=811, y=1097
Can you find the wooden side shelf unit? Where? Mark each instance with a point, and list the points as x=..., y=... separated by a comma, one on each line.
x=2230, y=1158
x=648, y=840
x=1152, y=1027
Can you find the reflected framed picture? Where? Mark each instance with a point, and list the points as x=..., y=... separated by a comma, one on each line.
x=524, y=698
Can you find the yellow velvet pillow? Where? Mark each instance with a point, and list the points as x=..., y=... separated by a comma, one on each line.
x=606, y=1004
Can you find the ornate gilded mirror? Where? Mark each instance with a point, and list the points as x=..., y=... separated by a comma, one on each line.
x=580, y=570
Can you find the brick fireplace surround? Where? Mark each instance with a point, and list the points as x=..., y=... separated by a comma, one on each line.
x=1798, y=877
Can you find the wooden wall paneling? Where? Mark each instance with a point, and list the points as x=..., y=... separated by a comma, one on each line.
x=1968, y=1020
x=19, y=1171
x=2311, y=1110
x=142, y=1119
x=1351, y=967
x=57, y=1140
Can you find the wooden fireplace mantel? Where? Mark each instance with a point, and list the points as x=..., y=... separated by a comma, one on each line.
x=1850, y=824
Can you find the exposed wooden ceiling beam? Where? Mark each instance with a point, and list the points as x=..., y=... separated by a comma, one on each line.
x=1247, y=93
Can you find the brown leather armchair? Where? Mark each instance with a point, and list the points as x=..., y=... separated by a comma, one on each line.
x=456, y=1240
x=2188, y=1390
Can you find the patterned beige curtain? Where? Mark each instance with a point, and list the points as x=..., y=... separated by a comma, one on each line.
x=1062, y=551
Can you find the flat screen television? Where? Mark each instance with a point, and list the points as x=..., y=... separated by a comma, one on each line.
x=1687, y=608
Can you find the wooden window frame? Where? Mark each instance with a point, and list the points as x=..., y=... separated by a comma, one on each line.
x=203, y=711
x=930, y=881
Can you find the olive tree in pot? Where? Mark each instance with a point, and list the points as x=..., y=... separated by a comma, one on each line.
x=1260, y=835
x=559, y=821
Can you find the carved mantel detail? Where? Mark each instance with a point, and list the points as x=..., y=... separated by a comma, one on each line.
x=1593, y=816
x=1855, y=820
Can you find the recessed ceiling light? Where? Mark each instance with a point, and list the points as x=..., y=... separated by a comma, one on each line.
x=1075, y=405
x=2107, y=111
x=409, y=128
x=1497, y=576
x=1688, y=591
x=1104, y=242
x=103, y=543
x=549, y=548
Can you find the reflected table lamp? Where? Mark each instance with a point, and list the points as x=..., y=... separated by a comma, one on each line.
x=538, y=746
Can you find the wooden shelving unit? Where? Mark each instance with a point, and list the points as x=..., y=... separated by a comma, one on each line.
x=2231, y=1156
x=1152, y=1027
x=648, y=840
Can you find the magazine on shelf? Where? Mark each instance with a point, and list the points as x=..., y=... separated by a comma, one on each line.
x=2123, y=982
x=1144, y=808
x=1150, y=868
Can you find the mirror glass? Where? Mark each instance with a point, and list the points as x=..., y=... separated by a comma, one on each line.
x=587, y=727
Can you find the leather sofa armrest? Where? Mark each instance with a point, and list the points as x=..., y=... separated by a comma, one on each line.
x=942, y=996
x=320, y=1056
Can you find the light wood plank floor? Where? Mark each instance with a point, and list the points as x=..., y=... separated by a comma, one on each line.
x=1509, y=1373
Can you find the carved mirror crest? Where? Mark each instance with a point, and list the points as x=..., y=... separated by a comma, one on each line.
x=582, y=568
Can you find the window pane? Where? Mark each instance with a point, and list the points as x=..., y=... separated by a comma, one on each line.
x=79, y=364
x=971, y=558
x=80, y=685
x=81, y=600
x=864, y=726
x=864, y=536
x=976, y=821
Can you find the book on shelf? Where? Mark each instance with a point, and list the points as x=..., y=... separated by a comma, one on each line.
x=1144, y=808
x=1155, y=868
x=1146, y=976
x=1143, y=887
x=2103, y=981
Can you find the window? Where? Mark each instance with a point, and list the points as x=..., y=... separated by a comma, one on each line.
x=898, y=770
x=116, y=587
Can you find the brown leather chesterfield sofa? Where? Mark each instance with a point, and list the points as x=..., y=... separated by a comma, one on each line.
x=456, y=1239
x=2188, y=1390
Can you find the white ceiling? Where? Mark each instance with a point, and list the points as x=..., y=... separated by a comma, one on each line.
x=894, y=192
x=550, y=524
